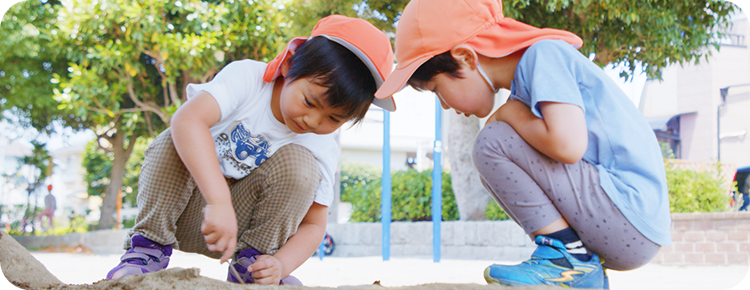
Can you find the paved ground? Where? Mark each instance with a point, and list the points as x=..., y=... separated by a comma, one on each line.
x=334, y=272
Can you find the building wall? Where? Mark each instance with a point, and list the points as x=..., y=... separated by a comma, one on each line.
x=696, y=88
x=374, y=158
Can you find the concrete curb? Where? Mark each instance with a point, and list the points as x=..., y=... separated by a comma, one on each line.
x=101, y=242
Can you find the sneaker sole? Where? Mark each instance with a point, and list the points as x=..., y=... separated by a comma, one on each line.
x=504, y=282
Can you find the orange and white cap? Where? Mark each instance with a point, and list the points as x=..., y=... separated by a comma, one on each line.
x=359, y=36
x=430, y=27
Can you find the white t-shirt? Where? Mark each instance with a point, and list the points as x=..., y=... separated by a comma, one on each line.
x=247, y=133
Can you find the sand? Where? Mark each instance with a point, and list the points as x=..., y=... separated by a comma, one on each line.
x=26, y=272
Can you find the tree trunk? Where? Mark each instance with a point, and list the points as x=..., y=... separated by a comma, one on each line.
x=109, y=200
x=471, y=197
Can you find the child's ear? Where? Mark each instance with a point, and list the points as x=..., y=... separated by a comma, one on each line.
x=465, y=55
x=287, y=63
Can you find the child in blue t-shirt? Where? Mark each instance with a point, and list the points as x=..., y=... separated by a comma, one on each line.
x=568, y=156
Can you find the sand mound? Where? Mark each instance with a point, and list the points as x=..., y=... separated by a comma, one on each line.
x=22, y=269
x=26, y=272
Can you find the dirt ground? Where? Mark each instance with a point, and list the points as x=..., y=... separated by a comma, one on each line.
x=26, y=272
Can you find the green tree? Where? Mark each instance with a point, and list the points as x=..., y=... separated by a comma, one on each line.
x=654, y=33
x=651, y=33
x=98, y=166
x=128, y=62
x=28, y=61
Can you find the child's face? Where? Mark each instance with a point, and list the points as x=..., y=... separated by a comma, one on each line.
x=469, y=95
x=305, y=110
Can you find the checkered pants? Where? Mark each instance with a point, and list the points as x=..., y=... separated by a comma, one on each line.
x=270, y=202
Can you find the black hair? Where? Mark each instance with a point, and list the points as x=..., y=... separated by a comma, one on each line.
x=441, y=63
x=350, y=84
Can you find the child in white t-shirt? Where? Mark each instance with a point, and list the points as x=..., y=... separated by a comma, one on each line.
x=269, y=171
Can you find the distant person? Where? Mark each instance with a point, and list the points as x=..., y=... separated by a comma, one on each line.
x=568, y=156
x=246, y=170
x=745, y=194
x=50, y=205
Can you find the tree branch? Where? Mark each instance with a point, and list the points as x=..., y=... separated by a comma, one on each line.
x=131, y=144
x=104, y=136
x=142, y=104
x=148, y=122
x=173, y=94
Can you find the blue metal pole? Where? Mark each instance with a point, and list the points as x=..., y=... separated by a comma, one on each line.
x=322, y=249
x=437, y=184
x=385, y=196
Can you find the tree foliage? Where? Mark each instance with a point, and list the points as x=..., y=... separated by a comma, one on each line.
x=653, y=33
x=131, y=62
x=28, y=61
x=98, y=166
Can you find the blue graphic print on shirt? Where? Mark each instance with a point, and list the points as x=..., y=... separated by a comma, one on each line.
x=247, y=145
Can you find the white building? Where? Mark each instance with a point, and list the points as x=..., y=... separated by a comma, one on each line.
x=687, y=109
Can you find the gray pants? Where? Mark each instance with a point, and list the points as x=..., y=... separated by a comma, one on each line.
x=270, y=202
x=536, y=190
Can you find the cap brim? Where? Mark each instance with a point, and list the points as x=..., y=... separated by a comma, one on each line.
x=398, y=78
x=361, y=55
x=387, y=104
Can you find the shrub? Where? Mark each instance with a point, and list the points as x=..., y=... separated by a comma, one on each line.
x=495, y=213
x=356, y=174
x=411, y=193
x=692, y=191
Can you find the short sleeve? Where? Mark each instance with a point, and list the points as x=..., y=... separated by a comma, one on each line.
x=328, y=164
x=550, y=74
x=233, y=85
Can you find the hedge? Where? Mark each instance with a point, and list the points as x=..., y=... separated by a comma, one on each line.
x=689, y=191
x=411, y=193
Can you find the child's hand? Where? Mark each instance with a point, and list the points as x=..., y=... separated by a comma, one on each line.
x=267, y=270
x=219, y=229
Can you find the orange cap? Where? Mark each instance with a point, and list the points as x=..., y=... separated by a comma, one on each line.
x=431, y=27
x=359, y=36
x=49, y=187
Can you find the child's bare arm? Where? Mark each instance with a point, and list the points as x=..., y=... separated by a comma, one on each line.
x=270, y=269
x=194, y=144
x=562, y=134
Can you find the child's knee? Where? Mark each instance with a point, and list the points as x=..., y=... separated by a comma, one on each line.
x=488, y=143
x=299, y=168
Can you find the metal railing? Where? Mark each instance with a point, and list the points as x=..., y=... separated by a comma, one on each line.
x=732, y=40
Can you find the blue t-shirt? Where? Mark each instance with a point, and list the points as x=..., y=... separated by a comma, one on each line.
x=621, y=143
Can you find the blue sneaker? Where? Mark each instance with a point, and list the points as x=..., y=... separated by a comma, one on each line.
x=565, y=271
